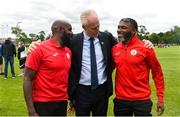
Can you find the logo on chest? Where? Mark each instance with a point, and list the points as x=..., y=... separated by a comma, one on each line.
x=55, y=54
x=67, y=55
x=133, y=52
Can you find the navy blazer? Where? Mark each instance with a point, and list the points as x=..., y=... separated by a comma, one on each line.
x=107, y=41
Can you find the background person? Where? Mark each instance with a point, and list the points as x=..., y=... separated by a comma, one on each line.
x=9, y=51
x=21, y=56
x=1, y=60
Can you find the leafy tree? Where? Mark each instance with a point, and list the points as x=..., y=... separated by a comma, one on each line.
x=169, y=37
x=20, y=35
x=154, y=38
x=142, y=32
x=41, y=35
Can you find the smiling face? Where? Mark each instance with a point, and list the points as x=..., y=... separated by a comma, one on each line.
x=126, y=28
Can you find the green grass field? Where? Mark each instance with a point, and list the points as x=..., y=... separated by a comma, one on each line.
x=12, y=101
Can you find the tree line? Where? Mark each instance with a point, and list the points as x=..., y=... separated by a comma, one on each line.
x=169, y=37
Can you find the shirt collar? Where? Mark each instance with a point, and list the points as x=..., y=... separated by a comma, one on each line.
x=87, y=37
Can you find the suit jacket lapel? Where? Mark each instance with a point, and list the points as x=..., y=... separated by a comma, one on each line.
x=103, y=46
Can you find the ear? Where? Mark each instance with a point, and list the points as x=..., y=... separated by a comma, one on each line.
x=133, y=32
x=59, y=29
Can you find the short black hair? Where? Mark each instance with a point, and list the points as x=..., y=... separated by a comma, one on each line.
x=131, y=21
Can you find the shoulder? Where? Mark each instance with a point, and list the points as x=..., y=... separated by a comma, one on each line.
x=106, y=34
x=75, y=40
x=109, y=38
x=43, y=44
x=41, y=48
x=140, y=44
x=77, y=36
x=117, y=47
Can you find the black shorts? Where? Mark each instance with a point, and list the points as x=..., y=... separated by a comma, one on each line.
x=51, y=108
x=22, y=63
x=130, y=108
x=1, y=60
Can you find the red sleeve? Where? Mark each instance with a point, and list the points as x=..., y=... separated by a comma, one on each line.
x=157, y=74
x=34, y=59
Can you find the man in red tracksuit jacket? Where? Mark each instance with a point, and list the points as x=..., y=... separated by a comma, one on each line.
x=133, y=64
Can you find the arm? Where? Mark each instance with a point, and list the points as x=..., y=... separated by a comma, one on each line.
x=113, y=40
x=71, y=107
x=20, y=49
x=158, y=78
x=32, y=64
x=14, y=49
x=27, y=87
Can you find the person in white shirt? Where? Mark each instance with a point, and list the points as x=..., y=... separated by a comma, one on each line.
x=21, y=57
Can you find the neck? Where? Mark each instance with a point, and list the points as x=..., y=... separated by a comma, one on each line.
x=126, y=42
x=56, y=39
x=90, y=35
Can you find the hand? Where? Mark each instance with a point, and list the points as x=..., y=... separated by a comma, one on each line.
x=71, y=108
x=33, y=46
x=148, y=44
x=160, y=108
x=33, y=113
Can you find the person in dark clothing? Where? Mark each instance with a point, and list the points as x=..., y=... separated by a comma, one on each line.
x=8, y=52
x=1, y=60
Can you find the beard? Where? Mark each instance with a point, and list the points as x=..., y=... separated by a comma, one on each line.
x=65, y=38
x=126, y=37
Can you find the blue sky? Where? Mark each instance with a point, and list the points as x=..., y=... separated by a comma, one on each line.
x=36, y=15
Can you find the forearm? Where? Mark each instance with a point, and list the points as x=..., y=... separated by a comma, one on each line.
x=157, y=75
x=160, y=87
x=27, y=87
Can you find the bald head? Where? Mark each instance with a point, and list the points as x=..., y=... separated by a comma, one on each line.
x=87, y=16
x=59, y=25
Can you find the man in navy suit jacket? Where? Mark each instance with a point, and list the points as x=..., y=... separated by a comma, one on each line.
x=86, y=99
